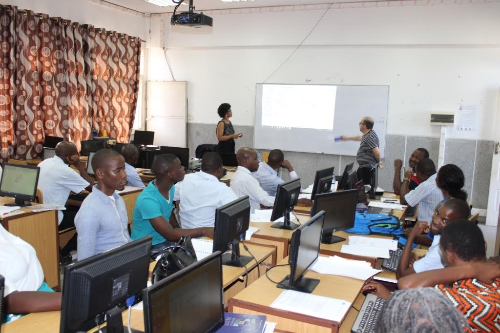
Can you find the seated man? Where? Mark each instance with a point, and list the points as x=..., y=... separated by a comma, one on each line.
x=102, y=221
x=427, y=195
x=202, y=193
x=130, y=153
x=153, y=213
x=267, y=174
x=445, y=212
x=243, y=183
x=25, y=292
x=470, y=282
x=417, y=155
x=57, y=181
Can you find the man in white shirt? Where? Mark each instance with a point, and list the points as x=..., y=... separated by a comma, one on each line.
x=57, y=180
x=267, y=174
x=201, y=193
x=243, y=183
x=130, y=154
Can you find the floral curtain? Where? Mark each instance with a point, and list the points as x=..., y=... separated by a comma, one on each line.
x=62, y=79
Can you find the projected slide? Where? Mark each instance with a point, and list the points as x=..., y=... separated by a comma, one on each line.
x=298, y=106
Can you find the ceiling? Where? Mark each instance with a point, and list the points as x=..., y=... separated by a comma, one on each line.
x=200, y=5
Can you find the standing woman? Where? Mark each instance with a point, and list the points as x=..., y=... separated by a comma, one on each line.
x=225, y=130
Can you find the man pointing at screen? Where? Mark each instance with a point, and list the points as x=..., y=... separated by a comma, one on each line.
x=368, y=155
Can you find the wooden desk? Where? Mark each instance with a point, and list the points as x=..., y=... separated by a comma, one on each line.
x=229, y=175
x=40, y=231
x=257, y=299
x=272, y=236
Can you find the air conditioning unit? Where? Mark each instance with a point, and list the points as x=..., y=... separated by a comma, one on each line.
x=442, y=119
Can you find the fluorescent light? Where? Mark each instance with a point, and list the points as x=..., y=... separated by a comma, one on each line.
x=164, y=3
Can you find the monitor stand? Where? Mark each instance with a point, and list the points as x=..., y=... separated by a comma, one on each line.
x=18, y=202
x=305, y=285
x=114, y=322
x=287, y=225
x=234, y=258
x=329, y=238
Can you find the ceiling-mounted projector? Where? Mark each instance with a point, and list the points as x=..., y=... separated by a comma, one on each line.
x=190, y=18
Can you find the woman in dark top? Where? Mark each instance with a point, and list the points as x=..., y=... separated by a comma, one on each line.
x=225, y=130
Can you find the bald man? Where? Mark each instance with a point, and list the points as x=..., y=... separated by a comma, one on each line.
x=243, y=183
x=267, y=174
x=56, y=181
x=102, y=221
x=130, y=154
x=368, y=155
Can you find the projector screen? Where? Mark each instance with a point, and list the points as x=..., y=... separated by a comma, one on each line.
x=308, y=118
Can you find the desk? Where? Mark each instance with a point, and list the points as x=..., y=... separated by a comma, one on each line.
x=40, y=231
x=229, y=175
x=48, y=322
x=272, y=236
x=257, y=299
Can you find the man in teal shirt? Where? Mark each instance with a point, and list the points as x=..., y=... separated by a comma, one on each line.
x=153, y=212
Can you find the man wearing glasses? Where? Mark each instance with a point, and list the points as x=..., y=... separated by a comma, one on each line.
x=445, y=212
x=56, y=181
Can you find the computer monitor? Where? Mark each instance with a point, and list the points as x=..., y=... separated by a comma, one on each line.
x=51, y=141
x=19, y=182
x=352, y=180
x=144, y=138
x=101, y=284
x=325, y=185
x=231, y=222
x=169, y=305
x=181, y=153
x=48, y=153
x=118, y=147
x=344, y=181
x=90, y=170
x=304, y=250
x=89, y=146
x=340, y=210
x=287, y=196
x=320, y=174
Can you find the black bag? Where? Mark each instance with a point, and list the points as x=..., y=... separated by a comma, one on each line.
x=173, y=259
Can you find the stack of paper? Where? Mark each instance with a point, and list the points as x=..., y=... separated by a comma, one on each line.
x=312, y=305
x=4, y=210
x=369, y=246
x=250, y=232
x=202, y=247
x=305, y=196
x=308, y=190
x=355, y=269
x=387, y=205
x=263, y=215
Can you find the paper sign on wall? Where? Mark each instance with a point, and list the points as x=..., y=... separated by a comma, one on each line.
x=466, y=118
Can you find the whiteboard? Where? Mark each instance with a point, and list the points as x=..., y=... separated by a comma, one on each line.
x=352, y=103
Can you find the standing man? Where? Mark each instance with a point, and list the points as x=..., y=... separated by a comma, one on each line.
x=368, y=155
x=130, y=154
x=267, y=174
x=56, y=181
x=102, y=221
x=416, y=156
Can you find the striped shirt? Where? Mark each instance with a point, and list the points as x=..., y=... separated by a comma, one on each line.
x=479, y=303
x=365, y=156
x=427, y=195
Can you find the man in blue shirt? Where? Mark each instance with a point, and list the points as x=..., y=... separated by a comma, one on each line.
x=153, y=213
x=130, y=154
x=102, y=221
x=267, y=174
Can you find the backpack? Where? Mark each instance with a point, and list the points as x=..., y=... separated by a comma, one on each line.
x=381, y=224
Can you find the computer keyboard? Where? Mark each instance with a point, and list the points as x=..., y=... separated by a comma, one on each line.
x=368, y=314
x=410, y=211
x=391, y=264
x=379, y=210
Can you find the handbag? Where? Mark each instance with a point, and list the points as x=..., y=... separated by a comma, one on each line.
x=174, y=258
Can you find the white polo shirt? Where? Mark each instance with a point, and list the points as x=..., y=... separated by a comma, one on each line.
x=57, y=180
x=200, y=194
x=243, y=183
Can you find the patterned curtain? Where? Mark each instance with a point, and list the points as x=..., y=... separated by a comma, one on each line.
x=62, y=79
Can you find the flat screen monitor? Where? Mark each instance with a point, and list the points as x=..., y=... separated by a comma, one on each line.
x=287, y=196
x=231, y=222
x=48, y=153
x=353, y=179
x=19, y=182
x=90, y=170
x=100, y=285
x=118, y=147
x=344, y=181
x=144, y=138
x=340, y=210
x=191, y=300
x=320, y=174
x=325, y=184
x=89, y=146
x=181, y=153
x=51, y=141
x=304, y=250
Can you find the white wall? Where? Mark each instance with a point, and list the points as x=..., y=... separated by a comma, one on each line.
x=433, y=57
x=86, y=12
